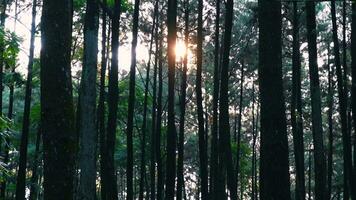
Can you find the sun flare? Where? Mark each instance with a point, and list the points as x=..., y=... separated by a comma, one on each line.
x=180, y=49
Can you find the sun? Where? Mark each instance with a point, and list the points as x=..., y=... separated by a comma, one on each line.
x=180, y=49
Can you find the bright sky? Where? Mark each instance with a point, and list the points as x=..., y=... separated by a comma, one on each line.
x=23, y=26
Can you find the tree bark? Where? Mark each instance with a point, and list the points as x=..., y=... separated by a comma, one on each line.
x=347, y=155
x=21, y=176
x=180, y=164
x=274, y=165
x=111, y=176
x=214, y=183
x=330, y=120
x=224, y=127
x=34, y=178
x=171, y=132
x=296, y=110
x=201, y=132
x=130, y=117
x=57, y=111
x=317, y=129
x=87, y=124
x=101, y=106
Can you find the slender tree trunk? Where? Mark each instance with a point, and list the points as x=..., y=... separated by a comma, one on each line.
x=201, y=132
x=87, y=124
x=160, y=181
x=214, y=183
x=180, y=164
x=317, y=129
x=130, y=117
x=353, y=87
x=238, y=154
x=59, y=139
x=330, y=120
x=36, y=161
x=309, y=174
x=21, y=177
x=253, y=189
x=171, y=132
x=111, y=176
x=101, y=108
x=274, y=173
x=347, y=155
x=2, y=49
x=154, y=36
x=296, y=110
x=224, y=127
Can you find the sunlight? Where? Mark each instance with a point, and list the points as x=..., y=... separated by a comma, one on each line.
x=180, y=50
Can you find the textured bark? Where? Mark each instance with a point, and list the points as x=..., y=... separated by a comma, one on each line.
x=296, y=110
x=317, y=129
x=57, y=111
x=113, y=93
x=154, y=36
x=330, y=120
x=353, y=86
x=183, y=87
x=214, y=184
x=274, y=165
x=101, y=105
x=87, y=124
x=203, y=157
x=130, y=117
x=224, y=127
x=36, y=161
x=171, y=132
x=21, y=176
x=160, y=181
x=239, y=123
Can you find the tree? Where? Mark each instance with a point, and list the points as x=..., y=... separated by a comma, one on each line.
x=317, y=129
x=296, y=110
x=171, y=132
x=59, y=139
x=129, y=169
x=21, y=177
x=111, y=185
x=203, y=157
x=183, y=99
x=87, y=123
x=214, y=192
x=274, y=164
x=224, y=127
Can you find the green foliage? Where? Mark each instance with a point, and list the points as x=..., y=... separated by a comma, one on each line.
x=11, y=43
x=126, y=6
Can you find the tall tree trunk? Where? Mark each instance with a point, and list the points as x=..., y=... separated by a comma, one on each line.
x=214, y=184
x=154, y=36
x=347, y=155
x=111, y=178
x=238, y=153
x=101, y=106
x=57, y=110
x=36, y=161
x=317, y=129
x=180, y=164
x=353, y=87
x=130, y=116
x=160, y=181
x=87, y=124
x=224, y=127
x=171, y=132
x=274, y=173
x=201, y=132
x=296, y=110
x=253, y=189
x=21, y=177
x=2, y=49
x=330, y=120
